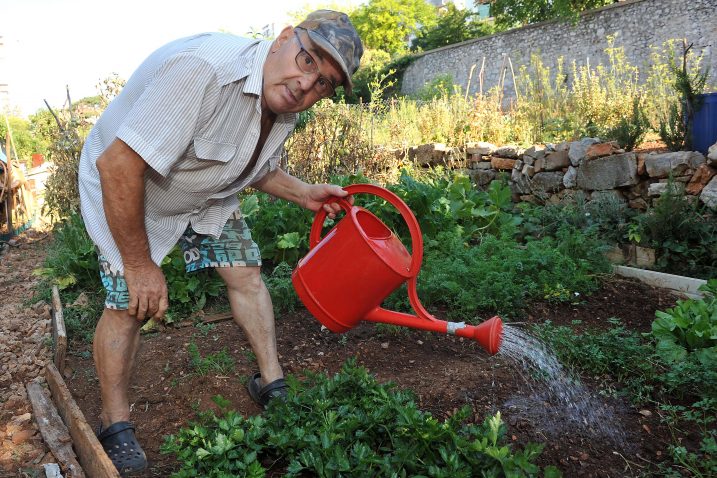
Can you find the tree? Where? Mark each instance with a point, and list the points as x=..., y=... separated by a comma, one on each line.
x=388, y=24
x=453, y=26
x=515, y=13
x=298, y=15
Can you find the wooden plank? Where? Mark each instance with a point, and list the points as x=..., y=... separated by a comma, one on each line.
x=93, y=458
x=217, y=317
x=53, y=430
x=59, y=334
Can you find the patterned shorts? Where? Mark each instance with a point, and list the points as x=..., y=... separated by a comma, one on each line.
x=234, y=248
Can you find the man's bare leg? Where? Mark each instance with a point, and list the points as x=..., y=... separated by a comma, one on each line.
x=115, y=347
x=253, y=311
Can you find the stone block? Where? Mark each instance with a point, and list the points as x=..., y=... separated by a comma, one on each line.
x=503, y=164
x=577, y=149
x=709, y=194
x=608, y=173
x=520, y=184
x=599, y=150
x=480, y=147
x=661, y=165
x=637, y=203
x=536, y=151
x=547, y=182
x=508, y=151
x=699, y=180
x=482, y=177
x=528, y=170
x=570, y=180
x=658, y=189
x=556, y=161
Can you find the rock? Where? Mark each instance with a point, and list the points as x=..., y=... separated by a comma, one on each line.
x=536, y=152
x=529, y=160
x=20, y=437
x=599, y=150
x=709, y=194
x=384, y=345
x=699, y=180
x=556, y=161
x=548, y=182
x=502, y=164
x=81, y=301
x=658, y=189
x=577, y=149
x=712, y=155
x=662, y=165
x=570, y=178
x=641, y=164
x=480, y=147
x=637, y=203
x=528, y=170
x=608, y=173
x=482, y=177
x=520, y=184
x=508, y=151
x=607, y=195
x=427, y=154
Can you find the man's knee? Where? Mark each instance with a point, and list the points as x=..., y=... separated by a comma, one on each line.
x=242, y=279
x=120, y=322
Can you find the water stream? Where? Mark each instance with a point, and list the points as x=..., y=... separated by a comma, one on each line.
x=558, y=400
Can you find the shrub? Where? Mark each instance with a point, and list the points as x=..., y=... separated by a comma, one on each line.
x=631, y=129
x=348, y=425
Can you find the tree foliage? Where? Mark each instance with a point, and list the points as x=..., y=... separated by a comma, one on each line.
x=23, y=139
x=453, y=26
x=515, y=13
x=388, y=24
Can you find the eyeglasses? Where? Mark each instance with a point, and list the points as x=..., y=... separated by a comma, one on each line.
x=306, y=63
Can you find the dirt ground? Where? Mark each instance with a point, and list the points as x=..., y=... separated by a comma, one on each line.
x=445, y=373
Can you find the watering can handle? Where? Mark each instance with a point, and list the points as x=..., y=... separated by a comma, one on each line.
x=413, y=227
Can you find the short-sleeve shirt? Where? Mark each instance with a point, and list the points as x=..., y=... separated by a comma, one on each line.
x=192, y=111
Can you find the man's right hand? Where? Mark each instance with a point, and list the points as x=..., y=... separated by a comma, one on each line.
x=147, y=291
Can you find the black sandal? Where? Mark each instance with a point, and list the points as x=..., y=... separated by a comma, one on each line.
x=121, y=446
x=263, y=395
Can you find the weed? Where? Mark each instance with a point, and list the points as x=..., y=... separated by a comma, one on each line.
x=220, y=362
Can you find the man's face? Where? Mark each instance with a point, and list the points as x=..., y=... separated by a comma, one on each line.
x=287, y=89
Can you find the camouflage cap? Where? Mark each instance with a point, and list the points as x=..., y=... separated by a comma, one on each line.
x=333, y=32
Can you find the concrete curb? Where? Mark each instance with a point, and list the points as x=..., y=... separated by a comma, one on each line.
x=680, y=285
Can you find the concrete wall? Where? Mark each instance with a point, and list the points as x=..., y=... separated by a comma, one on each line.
x=639, y=24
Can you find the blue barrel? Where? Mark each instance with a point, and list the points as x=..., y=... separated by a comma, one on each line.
x=704, y=126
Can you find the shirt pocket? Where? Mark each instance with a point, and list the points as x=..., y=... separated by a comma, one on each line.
x=209, y=169
x=209, y=150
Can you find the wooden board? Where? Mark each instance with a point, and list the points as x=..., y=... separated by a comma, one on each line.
x=53, y=430
x=93, y=458
x=59, y=334
x=207, y=319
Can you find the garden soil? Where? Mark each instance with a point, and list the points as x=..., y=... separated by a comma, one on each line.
x=445, y=373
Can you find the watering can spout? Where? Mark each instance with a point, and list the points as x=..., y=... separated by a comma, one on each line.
x=488, y=334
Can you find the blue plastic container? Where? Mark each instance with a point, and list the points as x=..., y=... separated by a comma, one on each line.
x=704, y=127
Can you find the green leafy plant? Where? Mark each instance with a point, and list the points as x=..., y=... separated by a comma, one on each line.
x=673, y=130
x=613, y=355
x=282, y=292
x=71, y=261
x=631, y=129
x=701, y=463
x=348, y=425
x=188, y=291
x=689, y=328
x=220, y=362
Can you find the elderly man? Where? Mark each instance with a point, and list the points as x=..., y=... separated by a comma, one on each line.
x=200, y=120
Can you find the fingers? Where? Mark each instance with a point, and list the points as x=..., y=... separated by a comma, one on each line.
x=148, y=292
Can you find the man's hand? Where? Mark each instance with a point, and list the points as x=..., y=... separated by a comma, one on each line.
x=147, y=291
x=318, y=194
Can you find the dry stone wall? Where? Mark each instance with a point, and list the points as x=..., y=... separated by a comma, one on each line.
x=549, y=173
x=637, y=24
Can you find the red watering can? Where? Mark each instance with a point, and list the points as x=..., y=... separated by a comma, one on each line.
x=345, y=276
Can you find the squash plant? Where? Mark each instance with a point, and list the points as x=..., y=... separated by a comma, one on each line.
x=689, y=328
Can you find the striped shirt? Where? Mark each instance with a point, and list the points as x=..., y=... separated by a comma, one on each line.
x=192, y=111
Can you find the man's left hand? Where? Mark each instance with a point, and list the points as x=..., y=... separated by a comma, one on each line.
x=318, y=194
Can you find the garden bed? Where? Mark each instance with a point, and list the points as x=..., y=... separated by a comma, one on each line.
x=444, y=372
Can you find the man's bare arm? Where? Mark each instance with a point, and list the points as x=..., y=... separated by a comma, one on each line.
x=122, y=177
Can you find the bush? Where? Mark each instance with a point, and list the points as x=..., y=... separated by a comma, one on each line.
x=348, y=425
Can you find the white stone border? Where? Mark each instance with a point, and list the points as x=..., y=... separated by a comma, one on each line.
x=680, y=285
